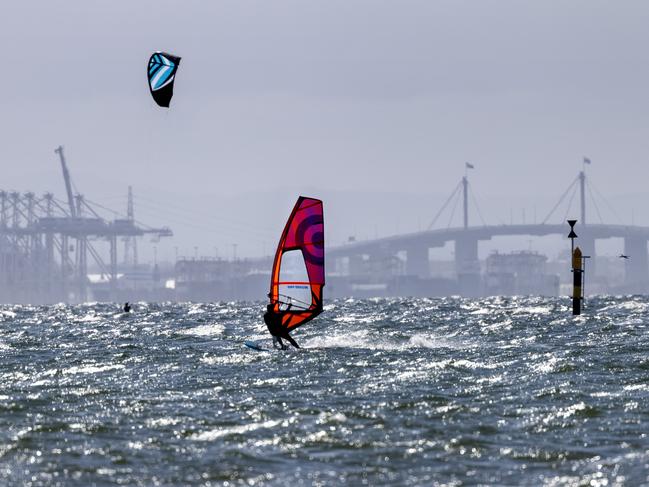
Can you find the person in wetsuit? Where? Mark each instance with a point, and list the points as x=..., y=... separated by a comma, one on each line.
x=274, y=323
x=127, y=307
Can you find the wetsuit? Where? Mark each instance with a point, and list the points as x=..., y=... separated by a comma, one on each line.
x=127, y=307
x=274, y=323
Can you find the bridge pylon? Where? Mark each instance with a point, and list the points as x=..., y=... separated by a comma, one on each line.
x=465, y=197
x=582, y=195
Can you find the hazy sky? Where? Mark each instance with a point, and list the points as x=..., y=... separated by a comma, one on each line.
x=331, y=98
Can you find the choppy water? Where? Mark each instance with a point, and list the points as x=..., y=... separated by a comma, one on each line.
x=399, y=392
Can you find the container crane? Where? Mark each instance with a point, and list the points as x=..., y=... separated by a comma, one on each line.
x=68, y=182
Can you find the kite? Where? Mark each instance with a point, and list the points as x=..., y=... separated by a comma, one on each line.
x=161, y=74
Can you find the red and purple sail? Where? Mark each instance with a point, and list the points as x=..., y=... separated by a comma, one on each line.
x=298, y=270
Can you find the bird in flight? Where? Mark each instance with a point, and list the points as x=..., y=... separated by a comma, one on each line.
x=622, y=256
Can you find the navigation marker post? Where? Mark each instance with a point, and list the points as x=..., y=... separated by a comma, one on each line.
x=578, y=271
x=575, y=255
x=583, y=277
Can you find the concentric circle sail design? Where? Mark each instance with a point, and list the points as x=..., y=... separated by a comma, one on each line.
x=298, y=270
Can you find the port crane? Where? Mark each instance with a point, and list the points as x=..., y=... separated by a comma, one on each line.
x=68, y=182
x=35, y=236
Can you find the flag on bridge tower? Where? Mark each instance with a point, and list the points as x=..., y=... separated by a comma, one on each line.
x=586, y=160
x=468, y=165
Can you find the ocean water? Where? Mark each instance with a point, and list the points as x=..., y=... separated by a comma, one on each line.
x=448, y=391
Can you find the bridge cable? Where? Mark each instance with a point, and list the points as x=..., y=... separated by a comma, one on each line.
x=563, y=196
x=450, y=220
x=475, y=202
x=606, y=202
x=572, y=197
x=457, y=188
x=592, y=198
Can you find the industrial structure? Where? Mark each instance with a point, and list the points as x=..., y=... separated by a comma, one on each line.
x=46, y=244
x=519, y=273
x=400, y=265
x=414, y=248
x=210, y=279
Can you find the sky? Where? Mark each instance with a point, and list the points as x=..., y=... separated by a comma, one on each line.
x=375, y=106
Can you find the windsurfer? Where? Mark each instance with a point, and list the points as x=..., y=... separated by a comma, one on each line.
x=274, y=323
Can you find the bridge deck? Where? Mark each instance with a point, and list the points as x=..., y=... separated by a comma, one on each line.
x=438, y=238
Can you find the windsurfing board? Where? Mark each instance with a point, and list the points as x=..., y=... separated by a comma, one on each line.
x=255, y=346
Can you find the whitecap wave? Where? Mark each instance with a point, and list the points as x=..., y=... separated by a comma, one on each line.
x=204, y=330
x=232, y=430
x=91, y=369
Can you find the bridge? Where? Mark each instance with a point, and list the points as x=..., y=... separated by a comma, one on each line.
x=466, y=240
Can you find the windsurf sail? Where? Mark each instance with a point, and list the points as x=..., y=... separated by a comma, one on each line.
x=161, y=74
x=298, y=269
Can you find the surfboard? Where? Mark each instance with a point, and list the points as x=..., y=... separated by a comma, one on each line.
x=255, y=346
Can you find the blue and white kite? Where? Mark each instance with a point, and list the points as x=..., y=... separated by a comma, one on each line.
x=161, y=74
